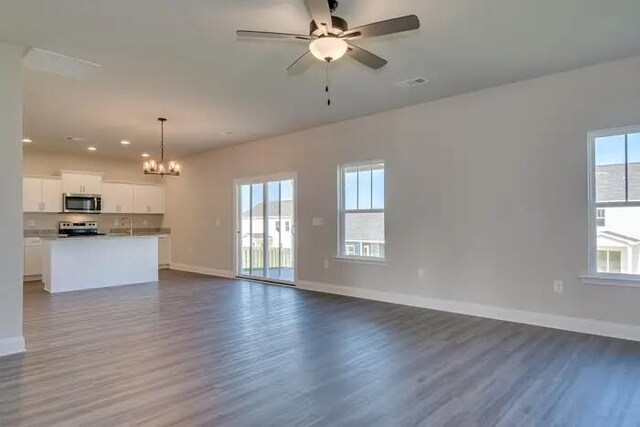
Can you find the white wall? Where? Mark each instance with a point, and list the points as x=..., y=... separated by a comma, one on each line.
x=11, y=340
x=486, y=191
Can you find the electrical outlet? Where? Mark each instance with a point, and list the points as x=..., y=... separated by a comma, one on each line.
x=145, y=222
x=217, y=222
x=32, y=223
x=421, y=273
x=326, y=264
x=558, y=286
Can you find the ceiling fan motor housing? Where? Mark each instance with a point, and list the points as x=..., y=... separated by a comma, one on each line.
x=339, y=26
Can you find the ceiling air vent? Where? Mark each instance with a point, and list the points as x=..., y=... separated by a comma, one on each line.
x=410, y=83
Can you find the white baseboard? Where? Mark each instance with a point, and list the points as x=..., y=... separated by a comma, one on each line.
x=203, y=270
x=11, y=345
x=573, y=324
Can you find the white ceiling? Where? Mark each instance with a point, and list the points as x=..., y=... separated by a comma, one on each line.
x=180, y=59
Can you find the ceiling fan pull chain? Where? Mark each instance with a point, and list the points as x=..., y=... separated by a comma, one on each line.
x=326, y=79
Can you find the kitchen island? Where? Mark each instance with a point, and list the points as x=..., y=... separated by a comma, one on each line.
x=75, y=263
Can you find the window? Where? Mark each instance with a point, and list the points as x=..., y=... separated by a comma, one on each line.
x=614, y=202
x=361, y=211
x=609, y=261
x=600, y=217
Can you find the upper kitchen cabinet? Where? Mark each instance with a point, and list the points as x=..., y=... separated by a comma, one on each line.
x=117, y=198
x=81, y=182
x=41, y=194
x=149, y=199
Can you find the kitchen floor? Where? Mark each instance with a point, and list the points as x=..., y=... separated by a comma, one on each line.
x=197, y=350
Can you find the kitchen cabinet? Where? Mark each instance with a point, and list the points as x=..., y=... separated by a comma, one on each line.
x=81, y=183
x=117, y=198
x=164, y=251
x=31, y=194
x=41, y=195
x=148, y=199
x=32, y=256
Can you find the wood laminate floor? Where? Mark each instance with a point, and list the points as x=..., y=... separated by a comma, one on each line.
x=195, y=350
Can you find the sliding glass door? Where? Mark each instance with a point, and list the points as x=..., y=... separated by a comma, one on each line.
x=266, y=229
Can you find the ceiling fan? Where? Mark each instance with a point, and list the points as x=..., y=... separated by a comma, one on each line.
x=330, y=36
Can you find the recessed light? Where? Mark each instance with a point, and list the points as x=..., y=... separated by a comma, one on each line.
x=145, y=155
x=92, y=149
x=76, y=138
x=26, y=140
x=124, y=142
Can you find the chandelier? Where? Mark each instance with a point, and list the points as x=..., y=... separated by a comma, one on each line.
x=151, y=167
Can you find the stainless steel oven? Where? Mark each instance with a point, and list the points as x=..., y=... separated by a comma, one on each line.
x=82, y=203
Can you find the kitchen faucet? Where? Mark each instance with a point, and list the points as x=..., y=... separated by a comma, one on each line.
x=130, y=224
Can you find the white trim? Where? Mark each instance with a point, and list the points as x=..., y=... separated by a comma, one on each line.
x=361, y=260
x=342, y=211
x=81, y=172
x=237, y=214
x=202, y=270
x=567, y=323
x=593, y=276
x=612, y=279
x=592, y=221
x=12, y=345
x=614, y=131
x=264, y=178
x=53, y=178
x=117, y=181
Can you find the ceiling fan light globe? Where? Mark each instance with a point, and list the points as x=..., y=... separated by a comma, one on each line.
x=328, y=48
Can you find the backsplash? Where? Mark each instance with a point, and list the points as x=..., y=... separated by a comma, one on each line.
x=49, y=221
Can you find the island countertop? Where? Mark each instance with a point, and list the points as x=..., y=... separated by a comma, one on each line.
x=88, y=262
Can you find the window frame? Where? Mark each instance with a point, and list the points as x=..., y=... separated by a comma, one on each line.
x=342, y=211
x=592, y=276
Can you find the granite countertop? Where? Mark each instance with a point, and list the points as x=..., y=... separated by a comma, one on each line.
x=101, y=237
x=114, y=232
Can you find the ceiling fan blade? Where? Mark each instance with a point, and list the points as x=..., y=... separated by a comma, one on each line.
x=390, y=26
x=365, y=57
x=272, y=36
x=301, y=64
x=320, y=13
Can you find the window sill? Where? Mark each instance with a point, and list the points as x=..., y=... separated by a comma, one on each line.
x=627, y=280
x=361, y=260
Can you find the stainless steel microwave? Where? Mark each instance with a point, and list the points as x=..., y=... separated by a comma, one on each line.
x=83, y=203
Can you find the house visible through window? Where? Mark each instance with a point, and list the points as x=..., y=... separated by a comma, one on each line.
x=600, y=217
x=615, y=203
x=610, y=261
x=361, y=207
